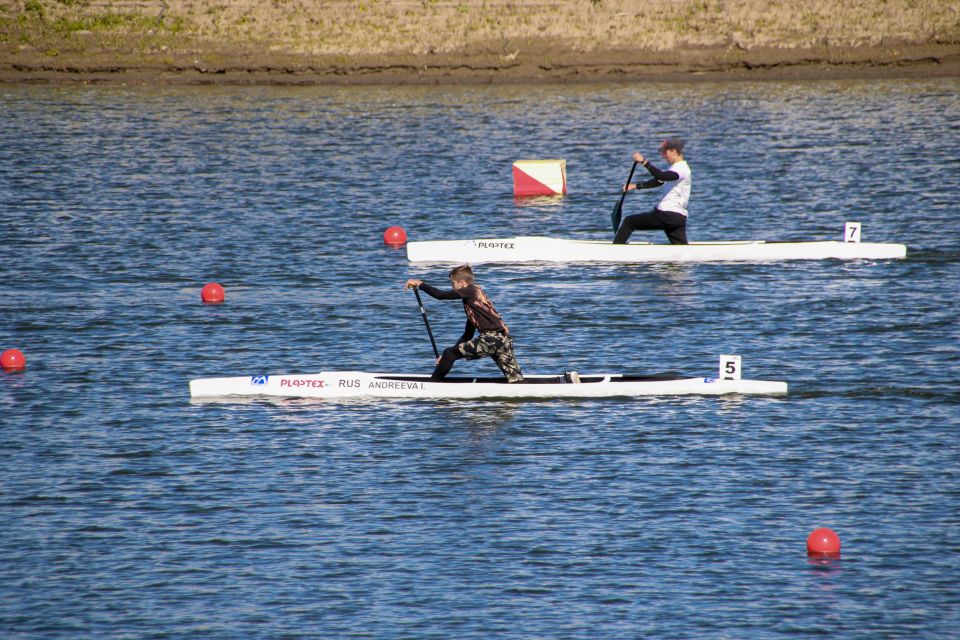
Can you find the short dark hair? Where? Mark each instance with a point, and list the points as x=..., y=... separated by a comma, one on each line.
x=672, y=143
x=463, y=272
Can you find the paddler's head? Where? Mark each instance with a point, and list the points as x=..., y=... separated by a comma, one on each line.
x=672, y=150
x=461, y=276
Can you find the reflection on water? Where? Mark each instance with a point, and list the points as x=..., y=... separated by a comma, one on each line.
x=826, y=573
x=538, y=203
x=481, y=419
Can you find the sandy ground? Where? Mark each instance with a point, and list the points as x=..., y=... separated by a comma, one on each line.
x=474, y=41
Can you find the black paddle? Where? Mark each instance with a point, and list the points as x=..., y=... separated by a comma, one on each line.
x=618, y=210
x=423, y=312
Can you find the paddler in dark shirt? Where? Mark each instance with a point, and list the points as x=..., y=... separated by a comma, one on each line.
x=494, y=339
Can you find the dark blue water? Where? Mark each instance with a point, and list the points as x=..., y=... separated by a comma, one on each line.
x=126, y=511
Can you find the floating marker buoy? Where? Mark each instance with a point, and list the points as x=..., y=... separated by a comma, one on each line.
x=212, y=293
x=13, y=360
x=394, y=236
x=539, y=178
x=823, y=542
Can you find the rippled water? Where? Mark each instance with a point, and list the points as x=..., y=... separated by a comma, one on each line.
x=128, y=511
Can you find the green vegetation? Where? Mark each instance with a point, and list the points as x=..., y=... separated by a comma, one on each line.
x=34, y=6
x=105, y=22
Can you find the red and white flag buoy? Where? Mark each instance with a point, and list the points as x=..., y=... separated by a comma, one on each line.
x=539, y=177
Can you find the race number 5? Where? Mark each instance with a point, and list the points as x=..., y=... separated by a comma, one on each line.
x=851, y=232
x=729, y=368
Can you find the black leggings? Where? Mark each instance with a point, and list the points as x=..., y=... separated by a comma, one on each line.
x=673, y=223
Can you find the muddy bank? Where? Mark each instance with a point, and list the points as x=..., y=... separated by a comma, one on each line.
x=491, y=41
x=549, y=67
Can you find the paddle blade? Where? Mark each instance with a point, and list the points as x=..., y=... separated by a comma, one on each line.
x=617, y=215
x=618, y=210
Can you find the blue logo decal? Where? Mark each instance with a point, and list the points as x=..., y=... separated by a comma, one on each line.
x=260, y=380
x=709, y=380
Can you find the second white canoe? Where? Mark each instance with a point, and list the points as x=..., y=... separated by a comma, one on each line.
x=361, y=384
x=542, y=249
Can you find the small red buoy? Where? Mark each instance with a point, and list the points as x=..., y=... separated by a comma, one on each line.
x=212, y=293
x=394, y=236
x=823, y=542
x=13, y=360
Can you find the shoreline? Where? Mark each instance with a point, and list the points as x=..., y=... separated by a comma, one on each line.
x=347, y=42
x=539, y=67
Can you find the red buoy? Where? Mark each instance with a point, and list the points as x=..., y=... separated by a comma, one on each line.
x=212, y=293
x=395, y=236
x=823, y=542
x=13, y=360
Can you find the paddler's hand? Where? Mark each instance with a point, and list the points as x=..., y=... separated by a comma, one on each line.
x=629, y=186
x=412, y=284
x=638, y=157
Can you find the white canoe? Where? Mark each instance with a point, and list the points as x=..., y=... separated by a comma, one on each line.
x=359, y=384
x=540, y=249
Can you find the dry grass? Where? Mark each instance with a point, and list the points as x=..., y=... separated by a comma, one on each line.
x=566, y=40
x=352, y=27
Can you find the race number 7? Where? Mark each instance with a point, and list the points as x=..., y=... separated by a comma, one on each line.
x=851, y=232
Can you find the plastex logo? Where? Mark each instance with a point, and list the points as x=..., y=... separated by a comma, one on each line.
x=260, y=380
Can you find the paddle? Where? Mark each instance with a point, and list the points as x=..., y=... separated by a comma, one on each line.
x=617, y=210
x=426, y=322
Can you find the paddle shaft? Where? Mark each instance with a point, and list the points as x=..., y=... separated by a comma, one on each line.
x=618, y=210
x=426, y=322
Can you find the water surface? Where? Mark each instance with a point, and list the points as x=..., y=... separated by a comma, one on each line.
x=128, y=511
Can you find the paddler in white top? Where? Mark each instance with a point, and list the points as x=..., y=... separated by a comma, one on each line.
x=671, y=213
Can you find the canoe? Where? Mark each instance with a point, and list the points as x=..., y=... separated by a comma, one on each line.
x=360, y=384
x=542, y=249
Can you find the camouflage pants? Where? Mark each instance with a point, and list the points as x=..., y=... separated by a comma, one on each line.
x=498, y=346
